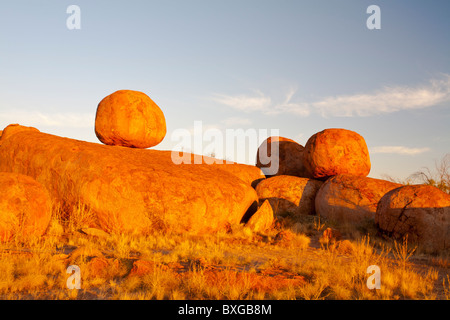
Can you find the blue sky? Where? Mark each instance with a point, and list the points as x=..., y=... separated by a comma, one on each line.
x=296, y=66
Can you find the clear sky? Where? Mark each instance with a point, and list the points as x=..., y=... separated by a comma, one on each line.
x=296, y=66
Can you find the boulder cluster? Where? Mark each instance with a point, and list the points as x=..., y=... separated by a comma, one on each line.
x=129, y=188
x=328, y=178
x=133, y=189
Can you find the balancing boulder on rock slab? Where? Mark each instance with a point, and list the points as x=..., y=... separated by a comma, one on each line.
x=130, y=119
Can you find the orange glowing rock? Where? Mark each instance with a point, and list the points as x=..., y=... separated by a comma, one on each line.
x=351, y=199
x=420, y=211
x=14, y=128
x=25, y=207
x=129, y=190
x=336, y=151
x=247, y=173
x=284, y=153
x=289, y=195
x=130, y=119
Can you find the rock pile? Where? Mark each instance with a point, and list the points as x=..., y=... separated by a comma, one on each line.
x=336, y=151
x=328, y=177
x=133, y=189
x=130, y=189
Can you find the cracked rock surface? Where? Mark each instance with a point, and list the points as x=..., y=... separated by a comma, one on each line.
x=289, y=195
x=420, y=211
x=350, y=198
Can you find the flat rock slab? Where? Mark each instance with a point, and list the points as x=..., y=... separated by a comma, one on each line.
x=420, y=211
x=129, y=190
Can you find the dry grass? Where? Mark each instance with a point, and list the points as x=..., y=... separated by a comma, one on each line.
x=438, y=177
x=286, y=263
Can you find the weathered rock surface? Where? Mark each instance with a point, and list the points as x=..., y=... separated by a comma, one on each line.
x=25, y=207
x=130, y=119
x=289, y=194
x=336, y=151
x=94, y=232
x=247, y=173
x=262, y=219
x=352, y=199
x=281, y=156
x=14, y=128
x=422, y=212
x=129, y=190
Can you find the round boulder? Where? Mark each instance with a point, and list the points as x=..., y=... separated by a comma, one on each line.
x=289, y=195
x=348, y=198
x=25, y=207
x=281, y=156
x=336, y=151
x=130, y=119
x=420, y=211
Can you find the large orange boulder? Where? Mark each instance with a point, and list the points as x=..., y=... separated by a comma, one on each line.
x=281, y=156
x=25, y=207
x=336, y=151
x=289, y=195
x=420, y=211
x=352, y=199
x=129, y=190
x=130, y=119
